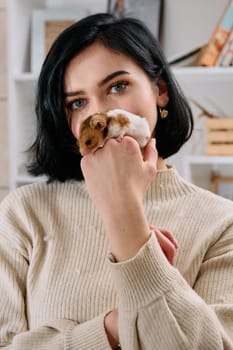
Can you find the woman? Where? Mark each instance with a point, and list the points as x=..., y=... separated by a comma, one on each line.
x=59, y=290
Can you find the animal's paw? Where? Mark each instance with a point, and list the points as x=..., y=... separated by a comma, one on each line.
x=119, y=138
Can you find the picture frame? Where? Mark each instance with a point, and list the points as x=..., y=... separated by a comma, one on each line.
x=148, y=12
x=45, y=27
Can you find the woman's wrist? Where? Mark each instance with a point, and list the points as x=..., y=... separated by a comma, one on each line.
x=127, y=232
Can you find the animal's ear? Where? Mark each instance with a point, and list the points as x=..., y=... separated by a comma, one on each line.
x=98, y=122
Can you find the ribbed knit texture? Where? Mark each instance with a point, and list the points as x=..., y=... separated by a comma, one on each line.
x=57, y=283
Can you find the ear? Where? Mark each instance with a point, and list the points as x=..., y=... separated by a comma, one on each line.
x=98, y=122
x=162, y=97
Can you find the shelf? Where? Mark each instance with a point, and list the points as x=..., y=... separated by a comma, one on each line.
x=208, y=159
x=204, y=73
x=195, y=167
x=190, y=72
x=203, y=70
x=25, y=77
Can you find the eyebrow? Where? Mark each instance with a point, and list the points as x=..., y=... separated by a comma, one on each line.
x=101, y=83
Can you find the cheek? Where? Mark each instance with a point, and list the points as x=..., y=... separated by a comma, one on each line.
x=151, y=110
x=148, y=111
x=152, y=119
x=144, y=104
x=74, y=126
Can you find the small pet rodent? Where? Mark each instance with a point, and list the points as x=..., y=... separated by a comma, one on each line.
x=116, y=123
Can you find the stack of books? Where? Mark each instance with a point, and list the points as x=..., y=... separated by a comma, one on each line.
x=219, y=49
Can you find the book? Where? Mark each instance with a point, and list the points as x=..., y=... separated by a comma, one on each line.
x=211, y=51
x=226, y=55
x=185, y=60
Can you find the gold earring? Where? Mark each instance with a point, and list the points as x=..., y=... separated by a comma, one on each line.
x=163, y=113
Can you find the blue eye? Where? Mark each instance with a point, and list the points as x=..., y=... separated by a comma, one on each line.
x=76, y=104
x=118, y=87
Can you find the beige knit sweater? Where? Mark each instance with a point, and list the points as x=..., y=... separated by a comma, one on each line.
x=57, y=282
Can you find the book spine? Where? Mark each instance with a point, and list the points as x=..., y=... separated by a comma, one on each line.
x=210, y=53
x=226, y=54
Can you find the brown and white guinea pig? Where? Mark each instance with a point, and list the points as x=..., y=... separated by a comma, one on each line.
x=100, y=127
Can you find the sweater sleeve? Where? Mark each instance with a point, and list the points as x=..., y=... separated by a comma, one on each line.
x=57, y=334
x=15, y=333
x=159, y=310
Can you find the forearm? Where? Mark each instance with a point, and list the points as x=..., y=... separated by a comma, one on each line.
x=63, y=334
x=118, y=199
x=157, y=306
x=127, y=228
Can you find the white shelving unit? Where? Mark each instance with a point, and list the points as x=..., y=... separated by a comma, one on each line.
x=212, y=87
x=22, y=85
x=200, y=169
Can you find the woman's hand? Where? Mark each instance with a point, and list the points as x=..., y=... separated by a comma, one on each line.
x=166, y=241
x=118, y=172
x=117, y=178
x=111, y=328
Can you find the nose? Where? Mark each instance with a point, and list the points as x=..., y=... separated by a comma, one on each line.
x=97, y=104
x=103, y=103
x=98, y=107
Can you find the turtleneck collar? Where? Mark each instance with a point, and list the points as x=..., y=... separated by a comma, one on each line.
x=168, y=185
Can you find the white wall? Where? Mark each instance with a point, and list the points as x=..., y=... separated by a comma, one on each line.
x=188, y=24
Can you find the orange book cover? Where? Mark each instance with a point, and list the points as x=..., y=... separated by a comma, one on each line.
x=210, y=53
x=226, y=55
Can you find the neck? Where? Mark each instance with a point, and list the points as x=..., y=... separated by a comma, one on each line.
x=161, y=165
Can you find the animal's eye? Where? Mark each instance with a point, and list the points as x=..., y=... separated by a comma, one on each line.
x=88, y=142
x=118, y=87
x=99, y=125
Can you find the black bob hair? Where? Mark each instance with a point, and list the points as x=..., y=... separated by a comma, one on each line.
x=55, y=152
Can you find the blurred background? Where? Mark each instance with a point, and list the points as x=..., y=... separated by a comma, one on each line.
x=184, y=28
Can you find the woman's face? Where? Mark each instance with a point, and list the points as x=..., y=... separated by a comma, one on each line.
x=98, y=79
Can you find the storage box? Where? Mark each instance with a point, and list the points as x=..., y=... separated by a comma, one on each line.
x=219, y=135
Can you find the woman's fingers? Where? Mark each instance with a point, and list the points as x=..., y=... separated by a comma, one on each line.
x=150, y=153
x=166, y=233
x=167, y=242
